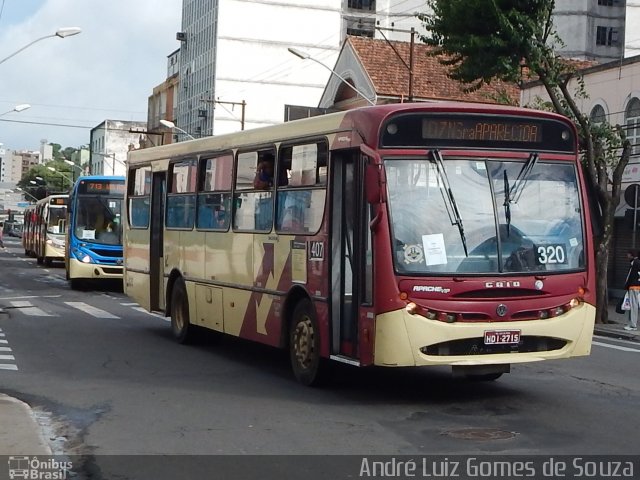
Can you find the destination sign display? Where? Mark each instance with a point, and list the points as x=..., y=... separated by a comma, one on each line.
x=476, y=130
x=101, y=187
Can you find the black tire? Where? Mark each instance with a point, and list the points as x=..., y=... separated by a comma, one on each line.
x=304, y=345
x=183, y=330
x=39, y=260
x=48, y=261
x=76, y=283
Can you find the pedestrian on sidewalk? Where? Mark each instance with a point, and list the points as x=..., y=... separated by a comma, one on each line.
x=632, y=286
x=1, y=229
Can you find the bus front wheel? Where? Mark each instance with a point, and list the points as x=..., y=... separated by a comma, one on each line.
x=182, y=329
x=304, y=344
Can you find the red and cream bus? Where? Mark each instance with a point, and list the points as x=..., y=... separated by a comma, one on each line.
x=43, y=234
x=396, y=235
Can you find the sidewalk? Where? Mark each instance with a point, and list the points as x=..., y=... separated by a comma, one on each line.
x=20, y=433
x=616, y=328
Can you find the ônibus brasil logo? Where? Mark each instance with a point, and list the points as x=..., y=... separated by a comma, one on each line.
x=32, y=468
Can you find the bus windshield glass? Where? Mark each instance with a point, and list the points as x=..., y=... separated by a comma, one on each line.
x=484, y=216
x=57, y=219
x=98, y=219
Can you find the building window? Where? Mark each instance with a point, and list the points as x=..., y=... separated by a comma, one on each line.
x=362, y=4
x=632, y=122
x=598, y=115
x=607, y=36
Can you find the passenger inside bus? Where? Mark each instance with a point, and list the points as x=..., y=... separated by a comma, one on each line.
x=264, y=172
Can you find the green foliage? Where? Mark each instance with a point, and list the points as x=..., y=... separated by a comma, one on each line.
x=487, y=39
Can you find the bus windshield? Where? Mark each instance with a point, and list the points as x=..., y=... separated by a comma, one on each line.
x=484, y=216
x=57, y=219
x=98, y=219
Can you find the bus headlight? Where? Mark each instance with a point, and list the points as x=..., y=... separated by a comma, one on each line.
x=83, y=257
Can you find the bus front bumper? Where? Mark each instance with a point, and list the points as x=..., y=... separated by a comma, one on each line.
x=402, y=339
x=78, y=269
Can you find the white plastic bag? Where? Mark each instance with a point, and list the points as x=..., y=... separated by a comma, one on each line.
x=626, y=304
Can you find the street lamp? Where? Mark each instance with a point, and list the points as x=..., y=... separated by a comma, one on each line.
x=17, y=108
x=24, y=192
x=72, y=164
x=171, y=125
x=61, y=32
x=62, y=174
x=306, y=56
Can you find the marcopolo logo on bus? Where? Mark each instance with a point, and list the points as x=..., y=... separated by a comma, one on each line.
x=38, y=469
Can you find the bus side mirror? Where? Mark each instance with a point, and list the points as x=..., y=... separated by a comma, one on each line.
x=372, y=184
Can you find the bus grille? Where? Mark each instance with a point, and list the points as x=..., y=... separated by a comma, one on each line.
x=107, y=253
x=476, y=346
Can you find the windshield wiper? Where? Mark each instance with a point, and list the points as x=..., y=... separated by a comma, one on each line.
x=507, y=202
x=449, y=200
x=523, y=175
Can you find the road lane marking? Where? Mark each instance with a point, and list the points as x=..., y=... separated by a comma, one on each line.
x=617, y=347
x=8, y=366
x=7, y=357
x=93, y=311
x=30, y=296
x=27, y=308
x=3, y=341
x=162, y=317
x=5, y=349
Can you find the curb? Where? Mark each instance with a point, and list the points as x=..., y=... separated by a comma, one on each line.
x=20, y=434
x=614, y=332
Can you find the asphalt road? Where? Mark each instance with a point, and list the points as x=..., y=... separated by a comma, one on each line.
x=107, y=379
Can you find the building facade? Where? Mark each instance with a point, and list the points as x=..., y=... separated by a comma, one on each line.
x=109, y=144
x=236, y=71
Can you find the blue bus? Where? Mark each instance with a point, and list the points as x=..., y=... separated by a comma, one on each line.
x=94, y=233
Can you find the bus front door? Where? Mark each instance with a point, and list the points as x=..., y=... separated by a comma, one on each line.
x=156, y=243
x=350, y=248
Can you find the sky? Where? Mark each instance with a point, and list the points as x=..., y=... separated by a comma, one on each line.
x=73, y=84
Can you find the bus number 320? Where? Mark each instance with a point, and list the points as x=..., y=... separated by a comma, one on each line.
x=553, y=253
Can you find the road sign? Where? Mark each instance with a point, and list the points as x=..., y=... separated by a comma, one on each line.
x=632, y=195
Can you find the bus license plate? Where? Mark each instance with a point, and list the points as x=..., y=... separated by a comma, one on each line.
x=501, y=337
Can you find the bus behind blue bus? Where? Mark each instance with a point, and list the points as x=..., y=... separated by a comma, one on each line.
x=94, y=233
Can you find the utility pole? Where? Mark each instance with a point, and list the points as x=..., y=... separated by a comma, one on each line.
x=242, y=104
x=408, y=66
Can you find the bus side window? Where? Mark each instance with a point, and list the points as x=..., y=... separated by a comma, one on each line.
x=302, y=177
x=139, y=197
x=214, y=193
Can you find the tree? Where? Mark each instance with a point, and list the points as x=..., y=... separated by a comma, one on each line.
x=512, y=40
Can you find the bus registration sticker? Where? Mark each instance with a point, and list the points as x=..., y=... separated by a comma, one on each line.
x=501, y=337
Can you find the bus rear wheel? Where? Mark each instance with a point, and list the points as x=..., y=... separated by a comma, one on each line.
x=183, y=330
x=304, y=344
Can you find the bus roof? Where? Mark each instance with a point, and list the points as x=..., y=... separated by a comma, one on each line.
x=368, y=120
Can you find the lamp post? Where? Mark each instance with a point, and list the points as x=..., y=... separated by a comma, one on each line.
x=61, y=32
x=306, y=56
x=41, y=186
x=17, y=108
x=24, y=192
x=171, y=125
x=70, y=180
x=72, y=164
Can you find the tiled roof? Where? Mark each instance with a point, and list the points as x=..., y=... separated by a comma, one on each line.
x=390, y=76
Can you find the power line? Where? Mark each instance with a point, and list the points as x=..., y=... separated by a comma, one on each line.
x=47, y=123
